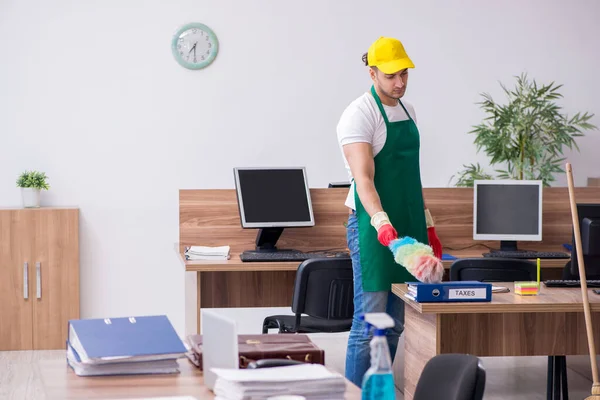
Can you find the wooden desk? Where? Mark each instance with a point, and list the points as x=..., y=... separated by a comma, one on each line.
x=211, y=218
x=50, y=378
x=511, y=325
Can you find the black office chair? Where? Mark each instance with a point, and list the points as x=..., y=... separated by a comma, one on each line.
x=451, y=377
x=493, y=270
x=511, y=270
x=324, y=291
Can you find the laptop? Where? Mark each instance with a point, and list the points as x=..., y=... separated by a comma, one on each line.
x=219, y=345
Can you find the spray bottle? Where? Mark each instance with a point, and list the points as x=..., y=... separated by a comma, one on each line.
x=378, y=382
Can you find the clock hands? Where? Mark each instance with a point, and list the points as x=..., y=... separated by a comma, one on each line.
x=194, y=49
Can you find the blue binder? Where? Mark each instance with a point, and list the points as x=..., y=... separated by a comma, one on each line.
x=454, y=291
x=125, y=339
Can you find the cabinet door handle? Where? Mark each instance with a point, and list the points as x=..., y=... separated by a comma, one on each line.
x=26, y=280
x=38, y=280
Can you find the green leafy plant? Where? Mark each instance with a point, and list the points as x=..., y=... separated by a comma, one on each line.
x=33, y=179
x=525, y=138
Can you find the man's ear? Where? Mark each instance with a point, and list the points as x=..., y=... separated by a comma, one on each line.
x=373, y=73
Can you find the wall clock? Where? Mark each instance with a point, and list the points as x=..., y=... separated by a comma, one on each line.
x=194, y=46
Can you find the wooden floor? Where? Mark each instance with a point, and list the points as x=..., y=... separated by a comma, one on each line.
x=507, y=378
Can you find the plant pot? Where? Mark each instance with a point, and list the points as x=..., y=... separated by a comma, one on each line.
x=31, y=197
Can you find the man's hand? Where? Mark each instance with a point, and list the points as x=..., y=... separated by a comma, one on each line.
x=434, y=240
x=386, y=234
x=385, y=231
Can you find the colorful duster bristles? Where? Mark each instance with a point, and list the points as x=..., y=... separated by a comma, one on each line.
x=418, y=259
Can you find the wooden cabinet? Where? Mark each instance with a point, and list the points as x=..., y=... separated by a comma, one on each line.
x=39, y=277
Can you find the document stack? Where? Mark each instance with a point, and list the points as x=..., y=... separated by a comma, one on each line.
x=123, y=346
x=207, y=253
x=312, y=381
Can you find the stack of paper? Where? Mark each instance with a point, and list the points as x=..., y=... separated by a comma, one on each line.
x=313, y=381
x=124, y=346
x=207, y=253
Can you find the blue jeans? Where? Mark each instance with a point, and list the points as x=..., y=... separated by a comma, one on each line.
x=358, y=357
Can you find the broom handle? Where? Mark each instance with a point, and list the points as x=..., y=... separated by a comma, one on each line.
x=582, y=277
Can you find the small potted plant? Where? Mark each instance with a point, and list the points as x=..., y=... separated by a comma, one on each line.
x=31, y=184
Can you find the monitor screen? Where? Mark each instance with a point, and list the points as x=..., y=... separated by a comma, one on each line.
x=507, y=210
x=273, y=197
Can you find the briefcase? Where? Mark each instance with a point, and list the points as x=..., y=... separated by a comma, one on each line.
x=291, y=346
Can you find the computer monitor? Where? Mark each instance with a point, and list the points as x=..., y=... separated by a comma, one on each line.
x=589, y=228
x=271, y=199
x=508, y=211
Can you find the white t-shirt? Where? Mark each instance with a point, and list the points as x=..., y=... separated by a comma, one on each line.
x=362, y=121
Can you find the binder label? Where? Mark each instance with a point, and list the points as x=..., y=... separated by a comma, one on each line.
x=470, y=293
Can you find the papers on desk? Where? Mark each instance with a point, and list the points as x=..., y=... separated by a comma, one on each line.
x=313, y=381
x=169, y=366
x=207, y=253
x=162, y=398
x=500, y=289
x=123, y=346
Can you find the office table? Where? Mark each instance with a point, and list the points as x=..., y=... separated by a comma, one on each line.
x=50, y=378
x=274, y=287
x=551, y=323
x=210, y=217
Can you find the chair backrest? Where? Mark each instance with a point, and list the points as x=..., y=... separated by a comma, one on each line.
x=324, y=288
x=451, y=377
x=493, y=270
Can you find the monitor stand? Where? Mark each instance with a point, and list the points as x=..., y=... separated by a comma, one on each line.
x=508, y=245
x=266, y=238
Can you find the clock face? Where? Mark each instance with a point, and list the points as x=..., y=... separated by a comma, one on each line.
x=195, y=46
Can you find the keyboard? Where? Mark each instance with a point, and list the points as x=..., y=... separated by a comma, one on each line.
x=251, y=256
x=527, y=254
x=591, y=283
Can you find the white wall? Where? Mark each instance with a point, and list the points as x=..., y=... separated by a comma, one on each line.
x=90, y=93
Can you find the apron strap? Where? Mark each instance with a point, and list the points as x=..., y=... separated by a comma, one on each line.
x=380, y=106
x=378, y=101
x=405, y=110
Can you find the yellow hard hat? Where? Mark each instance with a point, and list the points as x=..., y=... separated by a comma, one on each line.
x=388, y=55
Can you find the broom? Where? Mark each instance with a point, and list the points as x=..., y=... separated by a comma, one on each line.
x=584, y=293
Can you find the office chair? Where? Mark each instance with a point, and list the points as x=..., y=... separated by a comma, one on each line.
x=511, y=270
x=324, y=291
x=493, y=270
x=451, y=377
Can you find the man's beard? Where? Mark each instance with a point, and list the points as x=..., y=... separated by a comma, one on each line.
x=393, y=96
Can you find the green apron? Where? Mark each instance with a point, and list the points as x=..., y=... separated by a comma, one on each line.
x=398, y=183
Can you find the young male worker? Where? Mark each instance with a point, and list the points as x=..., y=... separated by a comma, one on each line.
x=380, y=144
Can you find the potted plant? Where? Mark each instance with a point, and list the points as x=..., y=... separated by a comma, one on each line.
x=525, y=138
x=31, y=184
